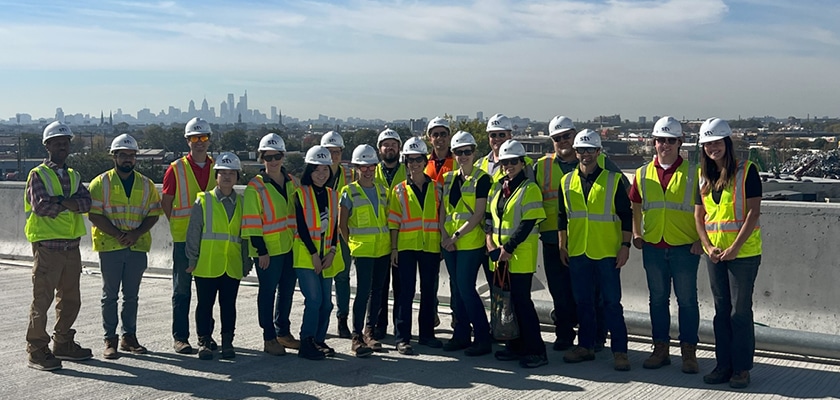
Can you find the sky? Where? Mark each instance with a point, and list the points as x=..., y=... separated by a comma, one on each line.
x=410, y=59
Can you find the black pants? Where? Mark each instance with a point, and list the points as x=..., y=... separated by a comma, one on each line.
x=206, y=290
x=530, y=338
x=560, y=286
x=392, y=280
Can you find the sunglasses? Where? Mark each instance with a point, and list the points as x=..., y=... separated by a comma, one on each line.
x=438, y=134
x=662, y=140
x=565, y=136
x=509, y=161
x=586, y=150
x=273, y=157
x=196, y=139
x=500, y=135
x=462, y=152
x=420, y=159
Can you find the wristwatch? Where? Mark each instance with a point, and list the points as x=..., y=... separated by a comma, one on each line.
x=626, y=244
x=457, y=234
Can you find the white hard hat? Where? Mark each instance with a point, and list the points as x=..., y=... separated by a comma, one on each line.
x=197, y=126
x=56, y=129
x=227, y=160
x=364, y=154
x=415, y=145
x=499, y=122
x=461, y=139
x=587, y=138
x=436, y=122
x=332, y=139
x=511, y=149
x=124, y=142
x=560, y=124
x=318, y=155
x=388, y=134
x=667, y=127
x=714, y=129
x=272, y=141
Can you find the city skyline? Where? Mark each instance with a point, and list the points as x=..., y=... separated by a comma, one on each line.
x=395, y=60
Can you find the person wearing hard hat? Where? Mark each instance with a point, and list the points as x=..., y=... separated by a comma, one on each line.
x=183, y=180
x=317, y=255
x=125, y=205
x=415, y=246
x=268, y=223
x=548, y=170
x=515, y=208
x=662, y=197
x=216, y=256
x=54, y=202
x=363, y=220
x=595, y=226
x=389, y=173
x=341, y=177
x=500, y=130
x=462, y=213
x=441, y=160
x=726, y=216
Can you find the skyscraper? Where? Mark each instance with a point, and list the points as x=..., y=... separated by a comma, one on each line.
x=231, y=115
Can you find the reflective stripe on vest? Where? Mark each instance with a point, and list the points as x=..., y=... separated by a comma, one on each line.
x=606, y=216
x=687, y=204
x=740, y=205
x=65, y=225
x=594, y=229
x=125, y=213
x=187, y=188
x=360, y=200
x=221, y=244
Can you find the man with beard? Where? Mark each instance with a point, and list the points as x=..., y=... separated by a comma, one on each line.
x=125, y=205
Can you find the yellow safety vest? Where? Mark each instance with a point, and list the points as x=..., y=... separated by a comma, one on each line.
x=369, y=234
x=725, y=220
x=548, y=174
x=67, y=224
x=344, y=177
x=484, y=165
x=302, y=257
x=418, y=228
x=268, y=214
x=668, y=215
x=186, y=190
x=594, y=228
x=125, y=213
x=458, y=215
x=523, y=204
x=399, y=176
x=221, y=240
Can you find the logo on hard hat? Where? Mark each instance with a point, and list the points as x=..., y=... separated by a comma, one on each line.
x=127, y=141
x=62, y=129
x=708, y=133
x=320, y=155
x=272, y=141
x=665, y=129
x=496, y=122
x=226, y=161
x=584, y=138
x=413, y=146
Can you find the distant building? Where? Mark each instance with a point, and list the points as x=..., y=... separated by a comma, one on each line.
x=642, y=120
x=608, y=119
x=479, y=115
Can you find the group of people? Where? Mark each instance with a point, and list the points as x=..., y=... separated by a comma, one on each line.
x=394, y=215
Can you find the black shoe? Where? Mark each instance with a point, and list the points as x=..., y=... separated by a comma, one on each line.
x=213, y=345
x=430, y=342
x=309, y=350
x=740, y=380
x=718, y=376
x=562, y=345
x=327, y=350
x=405, y=349
x=227, y=346
x=343, y=330
x=455, y=345
x=506, y=355
x=204, y=350
x=379, y=332
x=479, y=349
x=533, y=361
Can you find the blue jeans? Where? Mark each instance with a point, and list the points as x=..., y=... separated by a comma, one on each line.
x=370, y=277
x=181, y=293
x=732, y=285
x=677, y=265
x=274, y=296
x=124, y=268
x=317, y=303
x=428, y=264
x=587, y=274
x=342, y=282
x=463, y=266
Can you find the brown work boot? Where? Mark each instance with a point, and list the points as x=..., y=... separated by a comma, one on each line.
x=577, y=354
x=621, y=363
x=274, y=348
x=111, y=352
x=359, y=348
x=130, y=344
x=689, y=358
x=660, y=356
x=289, y=341
x=64, y=348
x=371, y=341
x=43, y=360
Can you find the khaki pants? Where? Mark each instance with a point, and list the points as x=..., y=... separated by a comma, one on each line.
x=55, y=274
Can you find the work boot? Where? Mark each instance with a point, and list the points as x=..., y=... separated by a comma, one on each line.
x=182, y=347
x=379, y=332
x=506, y=355
x=213, y=345
x=478, y=349
x=718, y=375
x=533, y=360
x=227, y=346
x=111, y=352
x=689, y=358
x=371, y=342
x=359, y=348
x=455, y=345
x=660, y=356
x=309, y=351
x=274, y=348
x=577, y=354
x=43, y=360
x=405, y=349
x=289, y=341
x=204, y=351
x=130, y=344
x=64, y=348
x=620, y=362
x=343, y=330
x=740, y=380
x=327, y=350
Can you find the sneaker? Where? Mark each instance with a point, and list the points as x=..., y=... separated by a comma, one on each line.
x=562, y=345
x=343, y=330
x=455, y=345
x=130, y=344
x=479, y=349
x=204, y=350
x=578, y=354
x=718, y=375
x=274, y=348
x=182, y=347
x=506, y=355
x=289, y=341
x=327, y=350
x=309, y=351
x=111, y=352
x=533, y=361
x=739, y=380
x=660, y=356
x=620, y=362
x=689, y=358
x=359, y=348
x=371, y=341
x=43, y=360
x=71, y=351
x=430, y=342
x=405, y=349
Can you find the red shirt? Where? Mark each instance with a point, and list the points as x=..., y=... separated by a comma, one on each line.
x=445, y=165
x=664, y=178
x=202, y=175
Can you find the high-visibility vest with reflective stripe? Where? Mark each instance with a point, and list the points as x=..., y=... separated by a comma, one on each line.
x=186, y=190
x=484, y=165
x=725, y=219
x=221, y=240
x=523, y=204
x=268, y=214
x=458, y=215
x=344, y=177
x=369, y=234
x=399, y=176
x=418, y=228
x=669, y=214
x=594, y=228
x=449, y=164
x=67, y=224
x=302, y=257
x=125, y=213
x=548, y=173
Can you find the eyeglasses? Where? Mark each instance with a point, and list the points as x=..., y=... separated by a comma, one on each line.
x=438, y=134
x=125, y=156
x=196, y=139
x=500, y=135
x=335, y=152
x=420, y=159
x=509, y=161
x=565, y=136
x=586, y=150
x=273, y=157
x=365, y=168
x=662, y=140
x=467, y=152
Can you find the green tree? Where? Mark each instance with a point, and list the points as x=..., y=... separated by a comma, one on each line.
x=234, y=140
x=91, y=164
x=478, y=130
x=172, y=139
x=294, y=164
x=32, y=146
